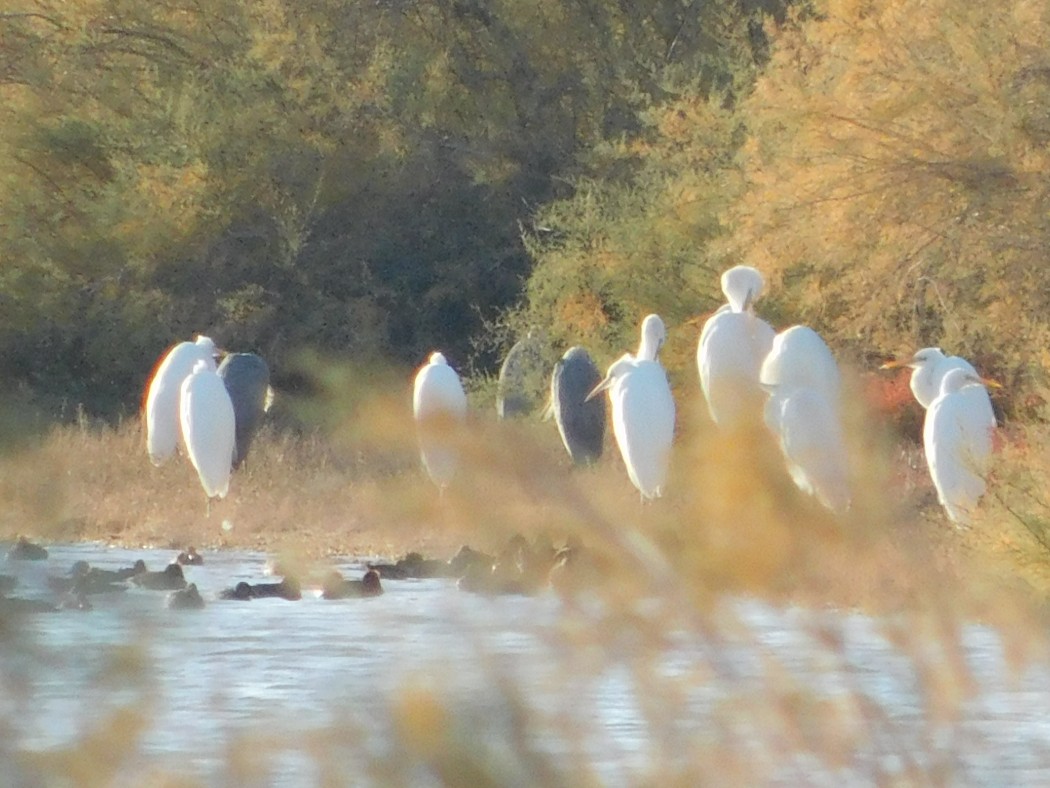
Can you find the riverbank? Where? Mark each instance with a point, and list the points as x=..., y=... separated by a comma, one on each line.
x=736, y=525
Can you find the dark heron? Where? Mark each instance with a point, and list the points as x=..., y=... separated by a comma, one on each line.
x=247, y=379
x=519, y=389
x=581, y=423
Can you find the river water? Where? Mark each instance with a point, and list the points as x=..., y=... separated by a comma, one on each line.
x=271, y=692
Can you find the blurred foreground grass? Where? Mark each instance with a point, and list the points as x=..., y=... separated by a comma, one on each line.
x=732, y=525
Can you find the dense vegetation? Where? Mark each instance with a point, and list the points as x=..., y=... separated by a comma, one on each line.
x=352, y=177
x=373, y=180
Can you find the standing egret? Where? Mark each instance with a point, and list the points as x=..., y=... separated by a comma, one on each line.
x=581, y=421
x=929, y=366
x=247, y=380
x=439, y=405
x=643, y=411
x=209, y=428
x=733, y=343
x=957, y=436
x=162, y=399
x=520, y=385
x=802, y=379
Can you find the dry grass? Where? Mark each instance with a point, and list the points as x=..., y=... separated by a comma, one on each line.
x=732, y=520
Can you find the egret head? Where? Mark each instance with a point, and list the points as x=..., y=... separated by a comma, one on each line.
x=207, y=347
x=437, y=357
x=619, y=368
x=742, y=285
x=959, y=378
x=926, y=357
x=956, y=379
x=653, y=335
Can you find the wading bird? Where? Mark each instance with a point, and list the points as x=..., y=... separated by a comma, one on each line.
x=209, y=428
x=247, y=380
x=519, y=388
x=162, y=398
x=802, y=379
x=439, y=405
x=957, y=437
x=643, y=411
x=581, y=421
x=929, y=366
x=733, y=343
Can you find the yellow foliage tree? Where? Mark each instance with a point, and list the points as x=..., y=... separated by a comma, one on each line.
x=896, y=177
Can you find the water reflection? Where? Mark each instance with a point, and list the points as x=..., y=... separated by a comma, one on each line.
x=784, y=696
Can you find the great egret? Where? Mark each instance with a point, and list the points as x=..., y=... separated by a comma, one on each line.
x=162, y=399
x=247, y=380
x=520, y=385
x=957, y=436
x=439, y=405
x=733, y=343
x=209, y=428
x=580, y=421
x=929, y=366
x=802, y=379
x=643, y=411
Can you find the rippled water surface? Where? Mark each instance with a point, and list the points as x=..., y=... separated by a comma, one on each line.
x=236, y=673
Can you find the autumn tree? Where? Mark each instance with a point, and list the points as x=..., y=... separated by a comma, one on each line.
x=896, y=189
x=349, y=176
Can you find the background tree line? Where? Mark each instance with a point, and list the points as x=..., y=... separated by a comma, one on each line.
x=376, y=179
x=351, y=177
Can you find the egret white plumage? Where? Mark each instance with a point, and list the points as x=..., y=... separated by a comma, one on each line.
x=209, y=428
x=439, y=405
x=800, y=357
x=247, y=380
x=581, y=422
x=733, y=343
x=162, y=398
x=929, y=366
x=803, y=413
x=957, y=437
x=654, y=334
x=519, y=388
x=643, y=411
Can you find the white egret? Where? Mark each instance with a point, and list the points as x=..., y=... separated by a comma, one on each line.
x=162, y=398
x=247, y=380
x=519, y=388
x=733, y=343
x=209, y=428
x=803, y=413
x=957, y=436
x=643, y=411
x=581, y=422
x=439, y=405
x=929, y=366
